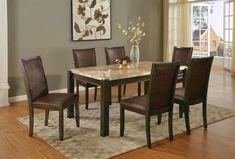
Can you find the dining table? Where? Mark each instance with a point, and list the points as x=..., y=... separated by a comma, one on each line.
x=107, y=76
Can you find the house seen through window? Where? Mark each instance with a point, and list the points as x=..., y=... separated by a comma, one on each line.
x=211, y=29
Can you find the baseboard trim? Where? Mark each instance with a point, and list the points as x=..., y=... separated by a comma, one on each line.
x=4, y=87
x=24, y=97
x=17, y=98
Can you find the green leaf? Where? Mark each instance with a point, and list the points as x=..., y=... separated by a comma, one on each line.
x=93, y=3
x=76, y=27
x=101, y=28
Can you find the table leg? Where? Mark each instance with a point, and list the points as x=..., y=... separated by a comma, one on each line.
x=70, y=89
x=104, y=112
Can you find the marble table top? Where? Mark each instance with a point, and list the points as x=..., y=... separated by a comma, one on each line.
x=112, y=72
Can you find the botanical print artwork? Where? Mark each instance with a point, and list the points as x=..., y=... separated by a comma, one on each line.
x=90, y=20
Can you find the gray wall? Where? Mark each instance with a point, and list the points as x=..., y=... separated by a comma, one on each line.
x=43, y=27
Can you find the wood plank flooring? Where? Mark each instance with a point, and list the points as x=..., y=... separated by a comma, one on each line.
x=217, y=142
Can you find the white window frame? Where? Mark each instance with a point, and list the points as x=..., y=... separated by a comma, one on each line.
x=228, y=44
x=208, y=30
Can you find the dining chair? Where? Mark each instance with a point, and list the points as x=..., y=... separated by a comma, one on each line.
x=111, y=54
x=159, y=99
x=196, y=87
x=85, y=58
x=182, y=55
x=39, y=97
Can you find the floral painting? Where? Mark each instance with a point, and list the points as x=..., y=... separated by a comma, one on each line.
x=91, y=20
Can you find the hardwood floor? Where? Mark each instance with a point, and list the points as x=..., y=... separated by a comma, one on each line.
x=217, y=142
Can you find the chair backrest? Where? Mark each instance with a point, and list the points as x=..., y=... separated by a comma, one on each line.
x=84, y=57
x=114, y=53
x=182, y=55
x=162, y=85
x=197, y=78
x=34, y=78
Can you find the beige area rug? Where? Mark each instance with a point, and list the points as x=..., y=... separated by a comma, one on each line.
x=85, y=142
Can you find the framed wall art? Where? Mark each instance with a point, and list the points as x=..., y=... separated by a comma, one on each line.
x=91, y=20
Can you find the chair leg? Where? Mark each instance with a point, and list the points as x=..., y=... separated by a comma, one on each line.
x=181, y=111
x=77, y=85
x=139, y=88
x=46, y=117
x=159, y=118
x=170, y=124
x=148, y=133
x=61, y=125
x=77, y=117
x=119, y=93
x=146, y=84
x=184, y=78
x=122, y=121
x=186, y=116
x=86, y=97
x=95, y=94
x=31, y=120
x=204, y=112
x=124, y=89
x=110, y=99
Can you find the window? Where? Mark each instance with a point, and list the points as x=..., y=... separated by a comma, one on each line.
x=200, y=24
x=228, y=31
x=211, y=30
x=214, y=43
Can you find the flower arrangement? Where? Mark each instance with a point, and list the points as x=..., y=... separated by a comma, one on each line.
x=124, y=62
x=134, y=31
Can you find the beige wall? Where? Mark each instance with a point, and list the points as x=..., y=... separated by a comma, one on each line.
x=43, y=27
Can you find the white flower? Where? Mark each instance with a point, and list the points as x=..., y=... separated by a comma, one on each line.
x=134, y=31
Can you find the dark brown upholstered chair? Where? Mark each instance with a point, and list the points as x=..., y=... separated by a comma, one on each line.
x=159, y=99
x=114, y=53
x=195, y=91
x=85, y=58
x=111, y=55
x=38, y=96
x=182, y=55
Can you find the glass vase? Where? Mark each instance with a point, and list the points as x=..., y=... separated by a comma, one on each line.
x=135, y=54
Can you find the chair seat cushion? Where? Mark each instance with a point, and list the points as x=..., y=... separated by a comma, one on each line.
x=135, y=104
x=56, y=100
x=179, y=94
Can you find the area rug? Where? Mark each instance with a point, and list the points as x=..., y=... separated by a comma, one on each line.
x=85, y=142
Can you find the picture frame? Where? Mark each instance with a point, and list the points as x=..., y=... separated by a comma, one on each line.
x=91, y=20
